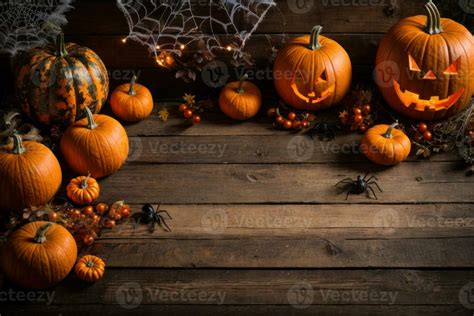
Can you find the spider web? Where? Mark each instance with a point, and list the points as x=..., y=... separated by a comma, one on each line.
x=167, y=25
x=27, y=24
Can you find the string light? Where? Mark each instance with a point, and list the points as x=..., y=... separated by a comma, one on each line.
x=124, y=40
x=229, y=48
x=182, y=46
x=157, y=46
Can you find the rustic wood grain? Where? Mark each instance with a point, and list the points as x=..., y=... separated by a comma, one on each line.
x=227, y=310
x=328, y=221
x=270, y=287
x=274, y=183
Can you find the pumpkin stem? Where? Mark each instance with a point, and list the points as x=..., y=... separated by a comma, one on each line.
x=240, y=88
x=84, y=181
x=40, y=237
x=90, y=264
x=388, y=133
x=91, y=124
x=131, y=90
x=61, y=46
x=433, y=24
x=18, y=147
x=314, y=38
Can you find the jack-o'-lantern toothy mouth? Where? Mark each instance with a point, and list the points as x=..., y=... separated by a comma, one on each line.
x=413, y=100
x=311, y=97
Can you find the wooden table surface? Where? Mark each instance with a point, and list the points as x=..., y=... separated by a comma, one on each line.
x=258, y=228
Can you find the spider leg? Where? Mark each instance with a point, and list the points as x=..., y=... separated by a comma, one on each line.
x=166, y=212
x=342, y=181
x=376, y=184
x=347, y=195
x=371, y=190
x=161, y=221
x=366, y=175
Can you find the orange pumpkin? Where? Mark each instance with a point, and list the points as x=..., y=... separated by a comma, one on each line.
x=241, y=99
x=131, y=102
x=312, y=72
x=39, y=255
x=97, y=144
x=385, y=145
x=90, y=268
x=425, y=66
x=83, y=190
x=56, y=82
x=30, y=175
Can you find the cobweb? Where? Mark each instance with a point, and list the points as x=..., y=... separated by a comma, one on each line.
x=26, y=24
x=168, y=25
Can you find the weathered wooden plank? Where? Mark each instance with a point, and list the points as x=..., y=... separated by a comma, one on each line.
x=306, y=252
x=328, y=221
x=227, y=310
x=267, y=287
x=273, y=183
x=286, y=148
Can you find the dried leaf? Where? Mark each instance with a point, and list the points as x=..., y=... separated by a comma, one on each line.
x=163, y=114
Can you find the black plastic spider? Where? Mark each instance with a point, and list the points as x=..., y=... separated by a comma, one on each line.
x=325, y=130
x=151, y=215
x=359, y=186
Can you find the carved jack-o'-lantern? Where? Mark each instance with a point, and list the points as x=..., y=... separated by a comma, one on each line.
x=312, y=72
x=425, y=66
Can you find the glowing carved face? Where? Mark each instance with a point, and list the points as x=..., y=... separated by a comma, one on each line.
x=308, y=89
x=412, y=98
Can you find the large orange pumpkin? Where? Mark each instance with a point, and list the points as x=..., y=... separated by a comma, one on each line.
x=97, y=144
x=312, y=72
x=425, y=66
x=39, y=255
x=30, y=175
x=55, y=83
x=241, y=99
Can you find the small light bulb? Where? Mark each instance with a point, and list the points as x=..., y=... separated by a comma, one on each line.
x=124, y=40
x=157, y=46
x=182, y=46
x=229, y=48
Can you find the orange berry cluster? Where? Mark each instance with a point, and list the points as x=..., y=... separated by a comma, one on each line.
x=293, y=120
x=359, y=118
x=189, y=112
x=423, y=132
x=85, y=223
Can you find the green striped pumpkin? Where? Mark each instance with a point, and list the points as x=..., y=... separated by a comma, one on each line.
x=55, y=83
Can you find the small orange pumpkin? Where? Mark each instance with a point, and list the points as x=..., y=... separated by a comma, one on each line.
x=83, y=190
x=241, y=99
x=131, y=102
x=385, y=145
x=39, y=255
x=312, y=72
x=90, y=268
x=30, y=175
x=97, y=144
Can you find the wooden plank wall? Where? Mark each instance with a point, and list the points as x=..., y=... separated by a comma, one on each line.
x=357, y=24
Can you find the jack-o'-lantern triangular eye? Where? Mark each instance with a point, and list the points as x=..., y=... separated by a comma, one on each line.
x=324, y=76
x=453, y=68
x=412, y=64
